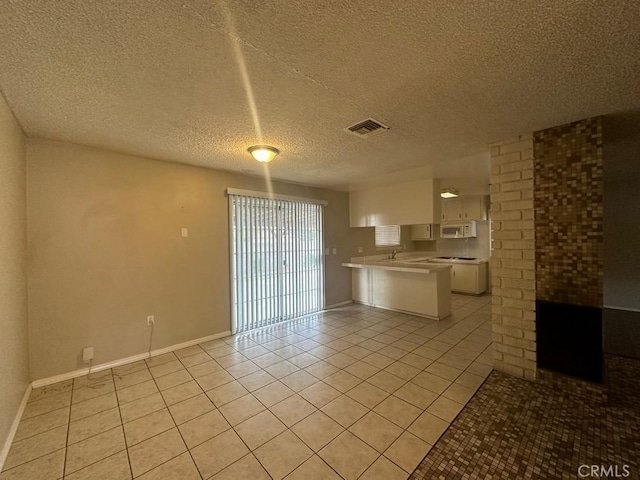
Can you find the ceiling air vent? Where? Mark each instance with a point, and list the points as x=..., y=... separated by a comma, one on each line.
x=367, y=127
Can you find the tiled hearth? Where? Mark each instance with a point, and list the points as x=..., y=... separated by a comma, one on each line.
x=515, y=429
x=351, y=393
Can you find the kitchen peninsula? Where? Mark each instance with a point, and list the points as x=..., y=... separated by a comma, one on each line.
x=413, y=285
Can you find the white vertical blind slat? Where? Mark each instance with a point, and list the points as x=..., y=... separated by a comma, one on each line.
x=276, y=260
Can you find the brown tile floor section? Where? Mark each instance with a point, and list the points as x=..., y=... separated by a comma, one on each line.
x=516, y=429
x=355, y=392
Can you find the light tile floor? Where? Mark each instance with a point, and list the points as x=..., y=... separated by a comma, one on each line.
x=355, y=392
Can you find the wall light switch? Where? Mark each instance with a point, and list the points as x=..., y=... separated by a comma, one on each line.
x=335, y=250
x=184, y=232
x=326, y=251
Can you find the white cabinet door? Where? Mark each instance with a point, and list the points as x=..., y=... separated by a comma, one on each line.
x=464, y=278
x=452, y=209
x=422, y=232
x=469, y=278
x=474, y=208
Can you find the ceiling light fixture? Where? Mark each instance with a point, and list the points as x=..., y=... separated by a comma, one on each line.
x=448, y=193
x=263, y=153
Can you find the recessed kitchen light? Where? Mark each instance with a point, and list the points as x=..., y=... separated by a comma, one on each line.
x=448, y=193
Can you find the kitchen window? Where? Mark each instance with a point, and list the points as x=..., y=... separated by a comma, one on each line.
x=387, y=236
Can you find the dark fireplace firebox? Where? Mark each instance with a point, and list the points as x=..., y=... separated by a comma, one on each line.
x=569, y=339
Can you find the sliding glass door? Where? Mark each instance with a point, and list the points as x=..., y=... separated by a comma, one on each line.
x=276, y=259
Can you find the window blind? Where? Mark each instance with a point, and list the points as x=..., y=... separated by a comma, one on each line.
x=276, y=259
x=388, y=236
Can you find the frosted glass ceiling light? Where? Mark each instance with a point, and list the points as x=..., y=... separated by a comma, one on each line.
x=263, y=153
x=448, y=193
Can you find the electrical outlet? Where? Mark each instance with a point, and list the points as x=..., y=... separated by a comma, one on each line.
x=151, y=320
x=87, y=354
x=184, y=232
x=335, y=251
x=360, y=250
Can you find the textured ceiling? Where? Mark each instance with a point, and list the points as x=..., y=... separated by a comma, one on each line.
x=199, y=81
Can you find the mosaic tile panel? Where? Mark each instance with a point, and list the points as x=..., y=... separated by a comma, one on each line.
x=568, y=187
x=622, y=374
x=595, y=392
x=514, y=429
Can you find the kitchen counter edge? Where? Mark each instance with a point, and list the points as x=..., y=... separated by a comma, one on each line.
x=404, y=268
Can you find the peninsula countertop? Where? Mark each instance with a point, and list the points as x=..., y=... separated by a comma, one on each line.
x=413, y=265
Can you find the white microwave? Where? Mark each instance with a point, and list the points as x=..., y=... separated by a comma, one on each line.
x=458, y=230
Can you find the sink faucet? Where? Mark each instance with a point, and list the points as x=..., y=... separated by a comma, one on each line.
x=392, y=255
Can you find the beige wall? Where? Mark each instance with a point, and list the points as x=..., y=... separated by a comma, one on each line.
x=14, y=356
x=105, y=251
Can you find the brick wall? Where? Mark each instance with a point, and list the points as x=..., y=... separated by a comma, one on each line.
x=513, y=257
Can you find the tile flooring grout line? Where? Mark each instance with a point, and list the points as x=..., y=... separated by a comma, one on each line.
x=66, y=441
x=124, y=435
x=5, y=470
x=97, y=461
x=44, y=431
x=102, y=459
x=231, y=427
x=296, y=331
x=320, y=409
x=369, y=410
x=175, y=425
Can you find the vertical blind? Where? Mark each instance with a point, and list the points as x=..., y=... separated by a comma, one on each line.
x=276, y=259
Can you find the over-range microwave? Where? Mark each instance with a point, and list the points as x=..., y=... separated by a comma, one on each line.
x=458, y=230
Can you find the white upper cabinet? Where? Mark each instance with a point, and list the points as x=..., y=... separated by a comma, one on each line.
x=409, y=203
x=473, y=207
x=423, y=232
x=452, y=209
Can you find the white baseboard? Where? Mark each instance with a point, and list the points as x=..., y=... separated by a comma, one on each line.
x=14, y=427
x=123, y=361
x=624, y=309
x=336, y=305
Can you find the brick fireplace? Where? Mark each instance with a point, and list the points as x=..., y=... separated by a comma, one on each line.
x=547, y=258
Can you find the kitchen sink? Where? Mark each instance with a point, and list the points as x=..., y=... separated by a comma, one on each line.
x=457, y=258
x=403, y=260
